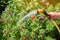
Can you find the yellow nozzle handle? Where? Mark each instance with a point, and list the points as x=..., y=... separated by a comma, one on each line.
x=40, y=10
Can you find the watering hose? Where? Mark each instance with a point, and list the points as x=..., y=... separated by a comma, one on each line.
x=34, y=12
x=54, y=22
x=56, y=25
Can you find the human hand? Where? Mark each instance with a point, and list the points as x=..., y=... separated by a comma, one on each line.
x=53, y=15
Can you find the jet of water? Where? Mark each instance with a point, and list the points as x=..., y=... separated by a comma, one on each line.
x=34, y=12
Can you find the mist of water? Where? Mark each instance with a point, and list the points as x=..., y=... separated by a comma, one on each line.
x=34, y=12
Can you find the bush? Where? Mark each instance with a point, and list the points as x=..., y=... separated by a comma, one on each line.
x=36, y=29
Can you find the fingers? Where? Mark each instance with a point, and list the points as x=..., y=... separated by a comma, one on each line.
x=53, y=15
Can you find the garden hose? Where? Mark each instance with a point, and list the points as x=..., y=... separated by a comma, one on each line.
x=34, y=12
x=45, y=13
x=56, y=25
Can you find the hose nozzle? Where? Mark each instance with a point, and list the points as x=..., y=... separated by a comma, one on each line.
x=40, y=10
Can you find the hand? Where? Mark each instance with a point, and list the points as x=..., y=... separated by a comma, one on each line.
x=53, y=15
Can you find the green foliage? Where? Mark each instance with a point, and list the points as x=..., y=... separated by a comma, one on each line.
x=32, y=29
